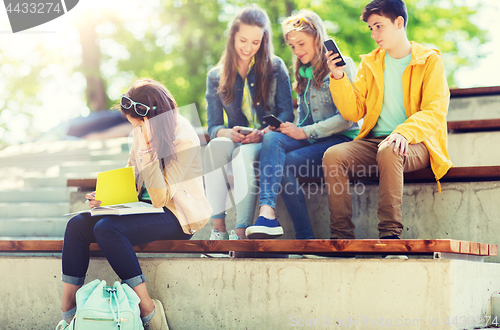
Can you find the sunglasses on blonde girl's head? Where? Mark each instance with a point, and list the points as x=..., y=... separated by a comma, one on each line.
x=140, y=108
x=298, y=21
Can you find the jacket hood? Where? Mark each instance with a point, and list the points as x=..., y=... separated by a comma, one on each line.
x=419, y=54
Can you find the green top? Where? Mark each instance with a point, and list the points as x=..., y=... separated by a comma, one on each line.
x=246, y=103
x=393, y=108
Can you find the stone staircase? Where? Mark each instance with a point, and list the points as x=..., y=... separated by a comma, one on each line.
x=33, y=192
x=34, y=196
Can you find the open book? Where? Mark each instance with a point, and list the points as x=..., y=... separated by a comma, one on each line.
x=118, y=195
x=121, y=209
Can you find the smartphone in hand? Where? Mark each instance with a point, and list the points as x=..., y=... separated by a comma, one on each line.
x=246, y=130
x=271, y=120
x=332, y=46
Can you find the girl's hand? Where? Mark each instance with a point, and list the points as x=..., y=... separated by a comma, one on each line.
x=236, y=136
x=337, y=71
x=144, y=134
x=268, y=129
x=254, y=137
x=91, y=200
x=292, y=131
x=400, y=144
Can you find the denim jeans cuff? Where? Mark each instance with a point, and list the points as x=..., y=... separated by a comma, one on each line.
x=135, y=281
x=73, y=280
x=219, y=216
x=268, y=202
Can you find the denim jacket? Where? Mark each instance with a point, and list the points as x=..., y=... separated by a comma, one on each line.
x=326, y=116
x=279, y=101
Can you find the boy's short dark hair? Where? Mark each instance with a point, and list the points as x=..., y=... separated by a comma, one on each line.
x=391, y=9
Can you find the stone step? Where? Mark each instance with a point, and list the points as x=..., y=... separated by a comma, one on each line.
x=49, y=194
x=39, y=182
x=112, y=154
x=82, y=168
x=33, y=210
x=474, y=149
x=468, y=108
x=33, y=227
x=284, y=293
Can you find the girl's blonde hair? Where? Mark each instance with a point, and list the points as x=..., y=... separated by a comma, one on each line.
x=310, y=23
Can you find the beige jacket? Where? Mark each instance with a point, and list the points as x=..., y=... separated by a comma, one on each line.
x=180, y=186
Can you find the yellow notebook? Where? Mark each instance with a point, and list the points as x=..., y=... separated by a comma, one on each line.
x=116, y=187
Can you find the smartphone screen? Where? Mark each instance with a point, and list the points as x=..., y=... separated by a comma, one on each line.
x=331, y=45
x=272, y=121
x=246, y=130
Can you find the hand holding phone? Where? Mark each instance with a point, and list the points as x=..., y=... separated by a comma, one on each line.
x=246, y=130
x=332, y=46
x=271, y=120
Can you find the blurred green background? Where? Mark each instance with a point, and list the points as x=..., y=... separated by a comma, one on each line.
x=87, y=63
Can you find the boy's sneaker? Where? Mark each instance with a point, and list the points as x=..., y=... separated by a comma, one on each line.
x=394, y=256
x=264, y=228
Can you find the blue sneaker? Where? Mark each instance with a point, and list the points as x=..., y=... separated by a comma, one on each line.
x=264, y=228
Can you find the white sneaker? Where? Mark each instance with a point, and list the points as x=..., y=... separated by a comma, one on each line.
x=233, y=236
x=62, y=325
x=216, y=235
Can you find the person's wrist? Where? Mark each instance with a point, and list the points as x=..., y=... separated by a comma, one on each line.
x=337, y=76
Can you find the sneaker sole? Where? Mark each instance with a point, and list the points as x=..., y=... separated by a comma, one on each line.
x=263, y=232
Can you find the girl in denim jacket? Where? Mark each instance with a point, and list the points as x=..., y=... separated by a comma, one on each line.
x=248, y=84
x=296, y=150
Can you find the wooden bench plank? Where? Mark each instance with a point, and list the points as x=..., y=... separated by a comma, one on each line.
x=474, y=91
x=483, y=249
x=362, y=246
x=82, y=183
x=483, y=125
x=492, y=250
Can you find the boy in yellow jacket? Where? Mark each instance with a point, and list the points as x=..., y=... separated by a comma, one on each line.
x=402, y=94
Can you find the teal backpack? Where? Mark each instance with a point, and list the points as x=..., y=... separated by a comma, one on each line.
x=100, y=307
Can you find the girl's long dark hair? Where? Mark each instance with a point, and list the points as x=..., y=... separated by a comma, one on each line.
x=162, y=119
x=310, y=23
x=252, y=16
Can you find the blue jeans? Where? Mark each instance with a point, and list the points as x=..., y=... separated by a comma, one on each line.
x=116, y=236
x=282, y=160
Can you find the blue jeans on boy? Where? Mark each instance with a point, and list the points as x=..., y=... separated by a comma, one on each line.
x=282, y=160
x=116, y=236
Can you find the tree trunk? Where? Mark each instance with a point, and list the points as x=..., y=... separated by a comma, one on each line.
x=97, y=98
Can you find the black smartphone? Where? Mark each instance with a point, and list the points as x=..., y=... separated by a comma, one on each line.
x=246, y=130
x=271, y=120
x=331, y=45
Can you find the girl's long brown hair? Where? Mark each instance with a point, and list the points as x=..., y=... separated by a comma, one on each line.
x=252, y=16
x=162, y=119
x=310, y=23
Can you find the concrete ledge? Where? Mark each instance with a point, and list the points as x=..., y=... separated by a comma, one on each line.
x=273, y=294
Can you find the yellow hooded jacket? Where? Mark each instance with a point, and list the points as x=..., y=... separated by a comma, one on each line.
x=426, y=99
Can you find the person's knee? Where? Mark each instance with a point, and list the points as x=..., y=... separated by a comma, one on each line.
x=220, y=147
x=334, y=155
x=249, y=153
x=76, y=224
x=101, y=228
x=386, y=154
x=272, y=138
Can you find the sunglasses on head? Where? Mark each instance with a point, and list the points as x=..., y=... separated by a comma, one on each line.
x=140, y=108
x=297, y=22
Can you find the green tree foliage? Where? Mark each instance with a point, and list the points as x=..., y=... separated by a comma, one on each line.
x=185, y=39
